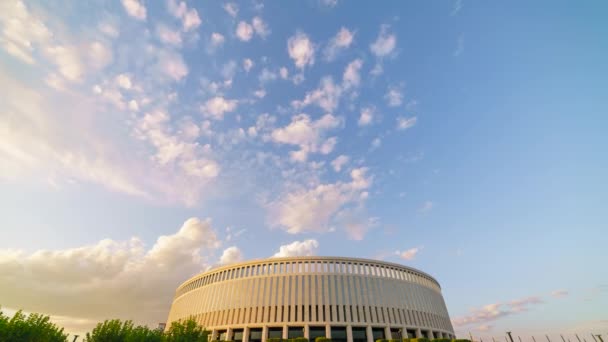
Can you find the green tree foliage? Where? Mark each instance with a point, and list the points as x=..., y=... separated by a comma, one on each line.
x=29, y=328
x=186, y=331
x=116, y=330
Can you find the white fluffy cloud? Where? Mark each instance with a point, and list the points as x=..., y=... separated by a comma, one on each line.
x=341, y=41
x=284, y=73
x=244, y=31
x=247, y=64
x=366, y=117
x=217, y=39
x=394, y=97
x=384, y=44
x=142, y=280
x=135, y=8
x=315, y=209
x=339, y=162
x=260, y=27
x=409, y=254
x=301, y=50
x=168, y=36
x=189, y=17
x=308, y=135
x=298, y=248
x=351, y=77
x=231, y=255
x=327, y=96
x=405, y=123
x=232, y=9
x=217, y=106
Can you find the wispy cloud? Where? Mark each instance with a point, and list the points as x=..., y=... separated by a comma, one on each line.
x=492, y=312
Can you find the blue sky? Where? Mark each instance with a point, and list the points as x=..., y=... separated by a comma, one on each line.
x=144, y=141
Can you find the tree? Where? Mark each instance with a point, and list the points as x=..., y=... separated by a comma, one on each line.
x=186, y=331
x=31, y=328
x=117, y=331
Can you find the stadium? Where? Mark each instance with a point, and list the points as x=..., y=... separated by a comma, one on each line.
x=344, y=299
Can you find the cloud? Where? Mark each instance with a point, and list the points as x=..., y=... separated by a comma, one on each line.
x=217, y=106
x=394, y=97
x=339, y=162
x=232, y=9
x=327, y=96
x=405, y=123
x=172, y=64
x=260, y=27
x=247, y=64
x=341, y=41
x=409, y=254
x=298, y=248
x=267, y=76
x=100, y=55
x=67, y=60
x=217, y=39
x=559, y=293
x=426, y=207
x=135, y=8
x=351, y=77
x=189, y=17
x=307, y=134
x=22, y=32
x=168, y=36
x=492, y=312
x=457, y=7
x=123, y=81
x=366, y=117
x=384, y=44
x=231, y=255
x=459, y=46
x=314, y=209
x=142, y=280
x=301, y=50
x=284, y=73
x=375, y=143
x=244, y=31
x=329, y=3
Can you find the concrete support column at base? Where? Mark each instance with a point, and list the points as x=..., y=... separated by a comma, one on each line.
x=306, y=331
x=327, y=330
x=387, y=332
x=285, y=332
x=369, y=333
x=228, y=334
x=349, y=333
x=213, y=335
x=264, y=333
x=246, y=334
x=418, y=333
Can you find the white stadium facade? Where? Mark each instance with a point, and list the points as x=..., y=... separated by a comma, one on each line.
x=345, y=299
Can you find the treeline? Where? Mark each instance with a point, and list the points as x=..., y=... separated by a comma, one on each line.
x=39, y=328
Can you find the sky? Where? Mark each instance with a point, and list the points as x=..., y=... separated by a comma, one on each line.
x=142, y=142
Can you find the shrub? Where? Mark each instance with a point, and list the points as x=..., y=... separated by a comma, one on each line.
x=274, y=339
x=322, y=339
x=442, y=340
x=420, y=339
x=300, y=339
x=381, y=340
x=461, y=340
